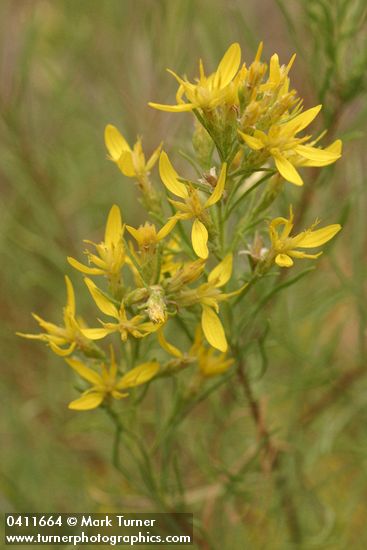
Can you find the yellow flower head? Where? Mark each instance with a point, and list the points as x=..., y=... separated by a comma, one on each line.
x=136, y=326
x=284, y=247
x=261, y=102
x=70, y=335
x=210, y=363
x=208, y=295
x=248, y=79
x=192, y=206
x=278, y=76
x=106, y=383
x=131, y=162
x=111, y=253
x=181, y=359
x=209, y=91
x=282, y=144
x=147, y=236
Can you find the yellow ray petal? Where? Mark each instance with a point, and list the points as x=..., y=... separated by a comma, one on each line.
x=221, y=274
x=126, y=164
x=228, y=66
x=113, y=230
x=102, y=302
x=50, y=327
x=259, y=52
x=316, y=154
x=32, y=336
x=167, y=228
x=118, y=395
x=180, y=80
x=283, y=260
x=251, y=141
x=154, y=157
x=70, y=302
x=182, y=207
x=301, y=255
x=133, y=232
x=287, y=170
x=170, y=177
x=169, y=348
x=113, y=367
x=291, y=61
x=84, y=268
x=225, y=295
x=138, y=375
x=84, y=371
x=199, y=239
x=213, y=368
x=219, y=188
x=62, y=352
x=336, y=147
x=311, y=239
x=301, y=121
x=96, y=333
x=115, y=142
x=96, y=259
x=87, y=401
x=274, y=69
x=183, y=107
x=213, y=329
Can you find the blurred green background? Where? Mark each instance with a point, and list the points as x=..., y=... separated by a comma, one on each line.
x=67, y=69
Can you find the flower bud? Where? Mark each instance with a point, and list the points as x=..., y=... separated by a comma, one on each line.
x=203, y=145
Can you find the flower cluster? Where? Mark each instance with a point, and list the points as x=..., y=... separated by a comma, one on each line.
x=179, y=267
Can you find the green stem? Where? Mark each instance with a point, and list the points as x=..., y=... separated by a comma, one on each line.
x=220, y=226
x=272, y=458
x=116, y=443
x=245, y=194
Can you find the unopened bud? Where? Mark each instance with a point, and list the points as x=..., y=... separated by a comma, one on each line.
x=203, y=145
x=186, y=275
x=135, y=296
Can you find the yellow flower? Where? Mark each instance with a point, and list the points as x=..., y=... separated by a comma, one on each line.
x=71, y=334
x=210, y=91
x=181, y=358
x=107, y=384
x=266, y=101
x=208, y=296
x=111, y=253
x=286, y=149
x=135, y=326
x=131, y=162
x=284, y=247
x=192, y=206
x=147, y=237
x=210, y=363
x=278, y=75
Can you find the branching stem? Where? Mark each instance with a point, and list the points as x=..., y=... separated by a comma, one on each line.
x=271, y=457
